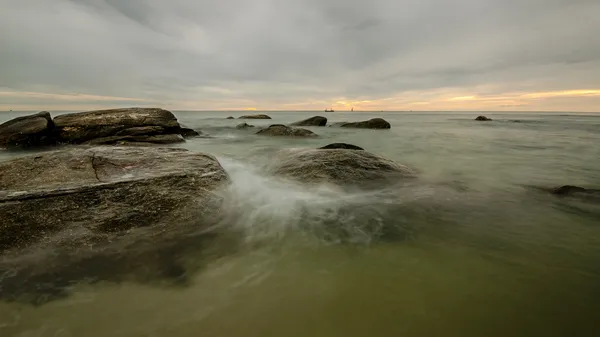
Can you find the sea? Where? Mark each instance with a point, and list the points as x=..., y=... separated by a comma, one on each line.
x=486, y=253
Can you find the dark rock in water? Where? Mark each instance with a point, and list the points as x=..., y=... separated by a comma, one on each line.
x=244, y=126
x=375, y=123
x=283, y=130
x=339, y=166
x=26, y=131
x=313, y=121
x=576, y=191
x=260, y=116
x=482, y=118
x=82, y=127
x=341, y=146
x=188, y=133
x=154, y=139
x=79, y=197
x=230, y=117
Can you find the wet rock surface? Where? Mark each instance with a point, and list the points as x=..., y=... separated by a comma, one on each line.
x=483, y=119
x=27, y=131
x=313, y=121
x=286, y=131
x=260, y=116
x=374, y=123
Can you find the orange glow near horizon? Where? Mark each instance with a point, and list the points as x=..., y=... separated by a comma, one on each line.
x=432, y=100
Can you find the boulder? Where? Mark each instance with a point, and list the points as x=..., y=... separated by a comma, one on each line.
x=230, y=117
x=188, y=133
x=339, y=166
x=83, y=197
x=260, y=116
x=341, y=146
x=483, y=118
x=313, y=121
x=82, y=127
x=244, y=126
x=283, y=130
x=26, y=131
x=374, y=123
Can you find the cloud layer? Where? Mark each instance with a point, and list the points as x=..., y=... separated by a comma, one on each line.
x=302, y=55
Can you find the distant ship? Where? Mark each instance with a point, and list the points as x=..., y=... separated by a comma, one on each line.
x=352, y=109
x=329, y=110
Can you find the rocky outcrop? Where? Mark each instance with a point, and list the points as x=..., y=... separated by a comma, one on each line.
x=260, y=116
x=283, y=130
x=374, y=123
x=244, y=126
x=313, y=121
x=483, y=118
x=80, y=197
x=83, y=127
x=341, y=146
x=27, y=131
x=130, y=125
x=339, y=166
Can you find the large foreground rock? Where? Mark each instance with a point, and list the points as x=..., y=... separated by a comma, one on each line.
x=83, y=127
x=82, y=197
x=26, y=131
x=283, y=130
x=313, y=121
x=374, y=123
x=339, y=166
x=260, y=116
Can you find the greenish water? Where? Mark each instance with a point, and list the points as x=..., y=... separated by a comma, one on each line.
x=483, y=255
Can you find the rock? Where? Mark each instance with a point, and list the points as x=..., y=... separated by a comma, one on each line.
x=244, y=126
x=230, y=117
x=81, y=127
x=154, y=139
x=260, y=116
x=82, y=197
x=313, y=121
x=375, y=123
x=341, y=146
x=188, y=133
x=282, y=130
x=576, y=191
x=339, y=166
x=26, y=131
x=482, y=118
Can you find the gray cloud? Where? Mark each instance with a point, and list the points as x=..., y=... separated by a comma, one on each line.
x=220, y=54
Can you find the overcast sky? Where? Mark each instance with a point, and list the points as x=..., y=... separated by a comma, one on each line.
x=300, y=54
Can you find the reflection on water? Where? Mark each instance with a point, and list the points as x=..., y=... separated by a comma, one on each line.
x=474, y=252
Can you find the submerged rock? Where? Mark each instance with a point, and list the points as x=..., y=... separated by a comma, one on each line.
x=374, y=123
x=27, y=131
x=230, y=117
x=92, y=196
x=483, y=118
x=260, y=116
x=83, y=127
x=576, y=191
x=283, y=130
x=339, y=166
x=313, y=121
x=244, y=126
x=341, y=146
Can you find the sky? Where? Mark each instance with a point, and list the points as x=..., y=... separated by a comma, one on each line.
x=429, y=55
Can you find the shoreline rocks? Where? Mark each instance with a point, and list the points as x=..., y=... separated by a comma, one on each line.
x=312, y=121
x=128, y=125
x=340, y=166
x=374, y=123
x=483, y=119
x=27, y=131
x=79, y=196
x=283, y=130
x=260, y=116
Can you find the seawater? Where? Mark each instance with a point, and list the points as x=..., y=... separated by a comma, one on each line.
x=484, y=253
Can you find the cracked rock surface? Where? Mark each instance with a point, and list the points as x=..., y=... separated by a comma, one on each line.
x=88, y=196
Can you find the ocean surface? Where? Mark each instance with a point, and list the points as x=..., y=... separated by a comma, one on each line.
x=485, y=253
